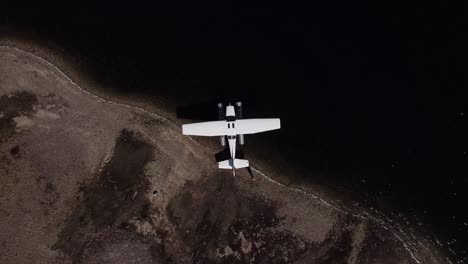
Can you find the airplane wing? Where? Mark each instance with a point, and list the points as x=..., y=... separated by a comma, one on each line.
x=252, y=126
x=213, y=128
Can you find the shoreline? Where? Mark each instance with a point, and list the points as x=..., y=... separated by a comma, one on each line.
x=142, y=106
x=66, y=63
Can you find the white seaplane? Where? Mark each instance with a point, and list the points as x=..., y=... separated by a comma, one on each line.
x=232, y=127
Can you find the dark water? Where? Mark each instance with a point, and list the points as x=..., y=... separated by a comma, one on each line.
x=372, y=97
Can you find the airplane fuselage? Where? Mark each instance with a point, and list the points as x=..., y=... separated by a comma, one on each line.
x=231, y=124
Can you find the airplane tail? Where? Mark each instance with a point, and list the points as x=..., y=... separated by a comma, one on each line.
x=233, y=164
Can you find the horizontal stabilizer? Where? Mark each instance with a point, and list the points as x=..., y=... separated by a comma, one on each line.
x=237, y=164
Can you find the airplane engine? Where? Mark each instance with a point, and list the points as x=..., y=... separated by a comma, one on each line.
x=221, y=116
x=239, y=116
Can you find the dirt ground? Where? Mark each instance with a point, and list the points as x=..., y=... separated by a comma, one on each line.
x=85, y=180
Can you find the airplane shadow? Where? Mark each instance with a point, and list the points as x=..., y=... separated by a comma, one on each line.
x=205, y=111
x=225, y=154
